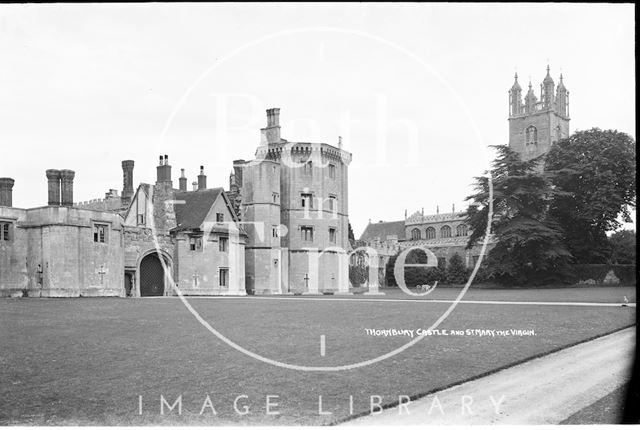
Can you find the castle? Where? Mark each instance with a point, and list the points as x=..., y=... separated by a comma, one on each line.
x=534, y=126
x=281, y=228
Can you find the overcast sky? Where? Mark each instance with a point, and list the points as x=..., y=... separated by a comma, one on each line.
x=416, y=91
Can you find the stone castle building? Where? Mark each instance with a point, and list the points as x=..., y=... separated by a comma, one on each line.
x=293, y=203
x=282, y=227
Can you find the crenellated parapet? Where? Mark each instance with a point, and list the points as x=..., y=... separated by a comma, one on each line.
x=297, y=151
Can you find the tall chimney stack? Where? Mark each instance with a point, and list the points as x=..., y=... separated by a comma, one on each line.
x=182, y=182
x=237, y=171
x=53, y=176
x=66, y=187
x=164, y=172
x=202, y=179
x=127, y=182
x=6, y=192
x=271, y=133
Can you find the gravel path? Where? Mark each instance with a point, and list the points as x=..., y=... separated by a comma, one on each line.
x=545, y=390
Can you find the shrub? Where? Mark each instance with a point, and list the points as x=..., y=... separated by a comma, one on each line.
x=583, y=272
x=456, y=272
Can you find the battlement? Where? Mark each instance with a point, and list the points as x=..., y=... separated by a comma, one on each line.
x=420, y=218
x=111, y=202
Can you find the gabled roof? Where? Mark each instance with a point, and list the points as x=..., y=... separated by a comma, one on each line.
x=197, y=204
x=382, y=230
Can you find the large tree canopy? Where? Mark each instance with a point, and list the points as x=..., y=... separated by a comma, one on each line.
x=623, y=247
x=529, y=246
x=596, y=169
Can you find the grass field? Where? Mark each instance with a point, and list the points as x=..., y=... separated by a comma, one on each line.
x=87, y=361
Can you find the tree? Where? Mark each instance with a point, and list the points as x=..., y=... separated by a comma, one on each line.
x=596, y=170
x=456, y=270
x=390, y=271
x=529, y=248
x=623, y=247
x=359, y=272
x=413, y=276
x=351, y=236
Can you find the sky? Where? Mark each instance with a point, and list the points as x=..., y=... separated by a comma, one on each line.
x=416, y=91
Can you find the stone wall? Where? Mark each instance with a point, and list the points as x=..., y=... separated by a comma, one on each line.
x=54, y=253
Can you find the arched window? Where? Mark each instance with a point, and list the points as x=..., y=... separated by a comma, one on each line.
x=415, y=234
x=445, y=231
x=461, y=230
x=531, y=135
x=558, y=133
x=430, y=233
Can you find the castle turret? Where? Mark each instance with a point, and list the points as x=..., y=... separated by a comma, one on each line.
x=515, y=98
x=562, y=99
x=547, y=91
x=530, y=100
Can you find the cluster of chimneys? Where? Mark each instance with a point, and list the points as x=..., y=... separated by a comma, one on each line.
x=60, y=187
x=164, y=176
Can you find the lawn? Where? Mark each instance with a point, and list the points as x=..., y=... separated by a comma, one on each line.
x=87, y=361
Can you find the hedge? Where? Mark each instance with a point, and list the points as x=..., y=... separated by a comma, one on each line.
x=583, y=273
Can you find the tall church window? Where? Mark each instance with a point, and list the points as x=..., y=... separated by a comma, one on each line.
x=531, y=135
x=415, y=234
x=430, y=233
x=445, y=231
x=461, y=230
x=558, y=133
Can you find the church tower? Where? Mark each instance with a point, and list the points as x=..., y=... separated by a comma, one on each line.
x=535, y=125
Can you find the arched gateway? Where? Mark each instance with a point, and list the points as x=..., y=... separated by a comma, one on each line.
x=152, y=278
